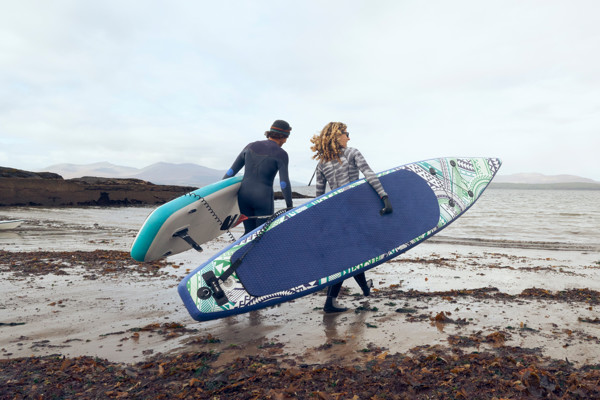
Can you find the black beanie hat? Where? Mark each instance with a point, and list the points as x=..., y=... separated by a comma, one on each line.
x=281, y=127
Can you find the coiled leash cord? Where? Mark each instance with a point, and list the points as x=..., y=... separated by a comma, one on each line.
x=212, y=212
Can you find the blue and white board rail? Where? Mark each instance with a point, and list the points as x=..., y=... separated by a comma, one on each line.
x=12, y=224
x=188, y=221
x=335, y=236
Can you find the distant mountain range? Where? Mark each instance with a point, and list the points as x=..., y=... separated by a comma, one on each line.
x=537, y=179
x=161, y=173
x=545, y=182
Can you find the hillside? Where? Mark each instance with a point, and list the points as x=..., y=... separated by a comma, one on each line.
x=162, y=173
x=536, y=178
x=159, y=173
x=546, y=186
x=529, y=181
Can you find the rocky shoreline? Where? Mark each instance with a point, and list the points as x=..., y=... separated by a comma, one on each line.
x=24, y=188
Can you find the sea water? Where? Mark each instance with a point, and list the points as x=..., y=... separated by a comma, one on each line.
x=565, y=218
x=540, y=219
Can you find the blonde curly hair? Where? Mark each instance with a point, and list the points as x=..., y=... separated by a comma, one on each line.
x=326, y=145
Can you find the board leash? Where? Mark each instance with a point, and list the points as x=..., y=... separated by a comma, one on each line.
x=212, y=212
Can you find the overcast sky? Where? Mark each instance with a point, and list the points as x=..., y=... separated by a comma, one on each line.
x=139, y=82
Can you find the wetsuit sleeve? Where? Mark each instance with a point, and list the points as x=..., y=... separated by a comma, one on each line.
x=284, y=181
x=362, y=165
x=321, y=182
x=237, y=164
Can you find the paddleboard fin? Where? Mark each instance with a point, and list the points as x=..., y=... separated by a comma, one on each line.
x=183, y=234
x=213, y=289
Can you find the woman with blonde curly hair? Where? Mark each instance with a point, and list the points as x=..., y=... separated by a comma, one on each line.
x=338, y=166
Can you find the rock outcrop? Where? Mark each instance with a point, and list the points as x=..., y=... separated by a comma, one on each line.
x=24, y=188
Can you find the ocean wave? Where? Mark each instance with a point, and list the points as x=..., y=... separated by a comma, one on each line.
x=515, y=244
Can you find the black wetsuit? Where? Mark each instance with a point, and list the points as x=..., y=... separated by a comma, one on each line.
x=262, y=160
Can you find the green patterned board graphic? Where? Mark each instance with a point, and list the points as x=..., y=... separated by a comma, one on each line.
x=456, y=183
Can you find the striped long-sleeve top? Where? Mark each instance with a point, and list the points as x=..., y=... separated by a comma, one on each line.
x=338, y=174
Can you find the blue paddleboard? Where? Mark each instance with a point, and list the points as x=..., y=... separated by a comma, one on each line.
x=334, y=237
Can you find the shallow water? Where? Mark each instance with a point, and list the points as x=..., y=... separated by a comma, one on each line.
x=555, y=216
x=530, y=219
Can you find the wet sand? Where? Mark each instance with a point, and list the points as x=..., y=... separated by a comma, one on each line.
x=103, y=313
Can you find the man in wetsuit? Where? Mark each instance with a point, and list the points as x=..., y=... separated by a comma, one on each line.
x=262, y=160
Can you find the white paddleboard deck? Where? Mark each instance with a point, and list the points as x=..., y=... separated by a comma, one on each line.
x=188, y=221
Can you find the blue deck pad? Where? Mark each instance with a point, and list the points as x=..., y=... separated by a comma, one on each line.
x=338, y=233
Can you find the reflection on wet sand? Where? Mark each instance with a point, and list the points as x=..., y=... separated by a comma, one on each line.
x=10, y=235
x=354, y=322
x=344, y=334
x=254, y=318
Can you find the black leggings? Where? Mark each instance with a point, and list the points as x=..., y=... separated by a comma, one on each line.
x=334, y=290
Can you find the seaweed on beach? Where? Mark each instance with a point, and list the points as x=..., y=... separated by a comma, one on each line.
x=428, y=372
x=97, y=262
x=580, y=295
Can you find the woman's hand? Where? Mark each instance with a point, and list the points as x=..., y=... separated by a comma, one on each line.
x=387, y=206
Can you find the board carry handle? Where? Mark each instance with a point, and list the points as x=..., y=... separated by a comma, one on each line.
x=232, y=221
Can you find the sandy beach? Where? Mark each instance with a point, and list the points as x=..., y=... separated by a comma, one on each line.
x=438, y=297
